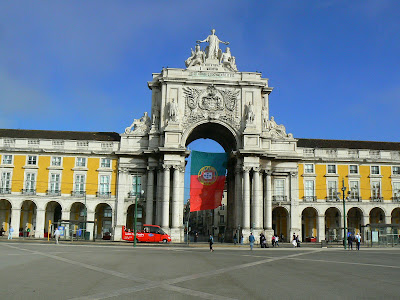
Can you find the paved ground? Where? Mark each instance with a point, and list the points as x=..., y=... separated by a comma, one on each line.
x=119, y=271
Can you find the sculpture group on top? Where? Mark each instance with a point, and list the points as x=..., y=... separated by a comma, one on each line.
x=212, y=53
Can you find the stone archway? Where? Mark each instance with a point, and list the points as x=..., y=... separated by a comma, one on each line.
x=333, y=232
x=5, y=214
x=280, y=223
x=309, y=220
x=396, y=216
x=376, y=216
x=28, y=217
x=354, y=220
x=130, y=217
x=53, y=213
x=103, y=215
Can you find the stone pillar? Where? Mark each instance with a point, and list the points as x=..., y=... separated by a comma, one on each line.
x=238, y=199
x=40, y=219
x=388, y=219
x=175, y=199
x=257, y=205
x=120, y=213
x=321, y=228
x=159, y=192
x=15, y=221
x=65, y=215
x=165, y=198
x=246, y=199
x=181, y=200
x=268, y=207
x=90, y=226
x=295, y=218
x=149, y=195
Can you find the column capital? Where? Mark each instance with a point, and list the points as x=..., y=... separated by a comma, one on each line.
x=294, y=174
x=123, y=170
x=257, y=169
x=166, y=167
x=246, y=169
x=151, y=169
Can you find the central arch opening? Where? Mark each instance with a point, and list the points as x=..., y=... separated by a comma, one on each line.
x=214, y=138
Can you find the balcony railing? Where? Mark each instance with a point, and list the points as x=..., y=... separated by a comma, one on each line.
x=53, y=192
x=332, y=198
x=354, y=199
x=5, y=191
x=103, y=194
x=28, y=191
x=309, y=198
x=279, y=198
x=376, y=199
x=78, y=193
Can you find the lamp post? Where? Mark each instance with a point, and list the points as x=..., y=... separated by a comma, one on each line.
x=344, y=215
x=137, y=196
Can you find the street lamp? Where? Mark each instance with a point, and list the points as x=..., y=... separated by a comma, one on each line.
x=344, y=215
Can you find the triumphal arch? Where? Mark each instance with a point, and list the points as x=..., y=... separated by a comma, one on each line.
x=212, y=99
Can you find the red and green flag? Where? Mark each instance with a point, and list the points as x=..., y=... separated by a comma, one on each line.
x=207, y=180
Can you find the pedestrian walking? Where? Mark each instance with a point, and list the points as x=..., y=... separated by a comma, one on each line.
x=10, y=233
x=358, y=240
x=251, y=240
x=297, y=241
x=294, y=241
x=211, y=242
x=350, y=240
x=277, y=240
x=241, y=239
x=273, y=241
x=235, y=240
x=57, y=234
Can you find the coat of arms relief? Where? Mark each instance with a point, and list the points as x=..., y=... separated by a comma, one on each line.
x=211, y=103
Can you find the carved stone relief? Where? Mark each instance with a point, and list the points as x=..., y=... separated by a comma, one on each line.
x=211, y=103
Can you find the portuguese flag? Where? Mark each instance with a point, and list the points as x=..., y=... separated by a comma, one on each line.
x=207, y=180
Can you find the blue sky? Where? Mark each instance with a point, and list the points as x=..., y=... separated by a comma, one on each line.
x=84, y=65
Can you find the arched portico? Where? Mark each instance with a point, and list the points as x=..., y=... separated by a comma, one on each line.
x=396, y=216
x=280, y=223
x=103, y=215
x=309, y=224
x=377, y=216
x=53, y=213
x=333, y=230
x=354, y=220
x=27, y=218
x=5, y=214
x=130, y=216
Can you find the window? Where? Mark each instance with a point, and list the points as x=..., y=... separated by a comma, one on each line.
x=353, y=169
x=32, y=160
x=136, y=185
x=55, y=183
x=80, y=183
x=9, y=143
x=56, y=161
x=107, y=212
x=308, y=168
x=5, y=184
x=105, y=163
x=353, y=153
x=375, y=170
x=222, y=207
x=81, y=161
x=332, y=190
x=82, y=144
x=107, y=146
x=331, y=169
x=309, y=189
x=354, y=190
x=221, y=219
x=7, y=159
x=279, y=189
x=396, y=170
x=58, y=144
x=33, y=143
x=104, y=184
x=376, y=190
x=396, y=190
x=308, y=152
x=30, y=182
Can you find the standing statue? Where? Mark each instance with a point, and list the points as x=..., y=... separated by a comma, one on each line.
x=212, y=49
x=173, y=111
x=250, y=114
x=197, y=58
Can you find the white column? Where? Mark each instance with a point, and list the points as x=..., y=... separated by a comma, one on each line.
x=122, y=193
x=90, y=226
x=15, y=220
x=256, y=207
x=246, y=198
x=238, y=198
x=268, y=209
x=165, y=199
x=159, y=196
x=175, y=199
x=181, y=194
x=149, y=195
x=321, y=228
x=65, y=215
x=40, y=216
x=388, y=219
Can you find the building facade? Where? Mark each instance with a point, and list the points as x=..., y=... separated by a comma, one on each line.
x=275, y=182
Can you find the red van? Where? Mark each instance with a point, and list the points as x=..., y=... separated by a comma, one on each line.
x=148, y=233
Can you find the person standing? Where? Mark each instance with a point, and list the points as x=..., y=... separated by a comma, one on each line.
x=241, y=239
x=57, y=234
x=277, y=240
x=273, y=241
x=350, y=240
x=358, y=240
x=235, y=239
x=251, y=240
x=10, y=233
x=211, y=242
